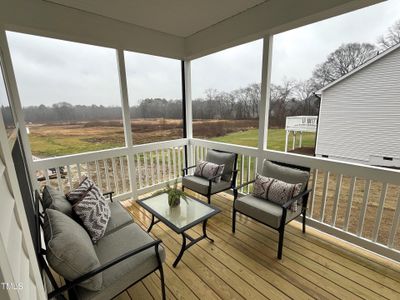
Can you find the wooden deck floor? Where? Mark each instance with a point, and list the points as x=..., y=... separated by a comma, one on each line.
x=244, y=265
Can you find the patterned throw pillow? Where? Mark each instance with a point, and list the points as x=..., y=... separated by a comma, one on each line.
x=80, y=192
x=208, y=170
x=94, y=211
x=276, y=190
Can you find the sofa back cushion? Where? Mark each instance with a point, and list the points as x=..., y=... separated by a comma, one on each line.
x=286, y=174
x=54, y=199
x=70, y=251
x=223, y=158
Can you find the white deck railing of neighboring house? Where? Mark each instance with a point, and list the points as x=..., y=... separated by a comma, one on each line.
x=357, y=203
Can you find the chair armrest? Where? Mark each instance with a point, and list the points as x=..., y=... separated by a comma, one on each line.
x=109, y=194
x=244, y=184
x=298, y=197
x=184, y=170
x=104, y=267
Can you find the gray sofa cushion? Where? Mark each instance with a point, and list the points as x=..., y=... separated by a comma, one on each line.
x=54, y=199
x=286, y=174
x=200, y=185
x=262, y=210
x=122, y=275
x=70, y=251
x=223, y=158
x=120, y=217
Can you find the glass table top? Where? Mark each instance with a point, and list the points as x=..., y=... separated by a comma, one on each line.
x=187, y=214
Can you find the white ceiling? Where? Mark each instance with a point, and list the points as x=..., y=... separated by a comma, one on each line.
x=177, y=17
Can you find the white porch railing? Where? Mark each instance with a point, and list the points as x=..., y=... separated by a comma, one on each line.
x=354, y=202
x=154, y=165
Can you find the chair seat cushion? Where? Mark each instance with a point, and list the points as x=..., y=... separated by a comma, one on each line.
x=54, y=199
x=70, y=251
x=200, y=185
x=120, y=217
x=263, y=210
x=120, y=276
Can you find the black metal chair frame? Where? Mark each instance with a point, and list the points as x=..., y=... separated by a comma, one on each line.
x=211, y=180
x=281, y=229
x=69, y=286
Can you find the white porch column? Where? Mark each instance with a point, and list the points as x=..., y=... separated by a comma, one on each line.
x=188, y=118
x=263, y=108
x=12, y=91
x=127, y=122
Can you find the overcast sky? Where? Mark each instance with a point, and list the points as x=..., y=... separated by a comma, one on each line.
x=50, y=71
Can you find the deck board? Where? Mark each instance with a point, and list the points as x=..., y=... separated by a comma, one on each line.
x=244, y=265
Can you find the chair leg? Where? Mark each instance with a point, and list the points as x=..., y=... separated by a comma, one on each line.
x=280, y=244
x=304, y=222
x=183, y=188
x=234, y=220
x=209, y=199
x=162, y=283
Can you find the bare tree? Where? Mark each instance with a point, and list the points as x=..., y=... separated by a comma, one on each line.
x=391, y=37
x=341, y=61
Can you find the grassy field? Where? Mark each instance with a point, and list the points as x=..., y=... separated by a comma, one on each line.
x=62, y=139
x=276, y=139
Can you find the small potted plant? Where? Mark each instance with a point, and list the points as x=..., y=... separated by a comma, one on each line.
x=174, y=194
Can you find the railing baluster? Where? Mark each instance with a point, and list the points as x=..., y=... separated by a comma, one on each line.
x=339, y=179
x=122, y=170
x=242, y=171
x=99, y=181
x=114, y=171
x=324, y=196
x=152, y=168
x=174, y=161
x=46, y=175
x=248, y=173
x=180, y=167
x=349, y=203
x=139, y=170
x=169, y=163
x=146, y=172
x=255, y=167
x=60, y=186
x=379, y=212
x=158, y=167
x=78, y=166
x=395, y=223
x=106, y=174
x=363, y=207
x=314, y=185
x=69, y=177
x=163, y=164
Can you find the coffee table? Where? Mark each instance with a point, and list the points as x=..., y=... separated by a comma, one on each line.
x=180, y=218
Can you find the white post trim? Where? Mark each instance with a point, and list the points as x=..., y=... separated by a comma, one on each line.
x=188, y=108
x=126, y=117
x=12, y=91
x=286, y=140
x=263, y=107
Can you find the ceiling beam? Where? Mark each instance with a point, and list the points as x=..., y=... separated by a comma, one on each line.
x=271, y=17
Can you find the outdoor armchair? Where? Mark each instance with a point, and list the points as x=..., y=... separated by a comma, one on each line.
x=270, y=213
x=208, y=187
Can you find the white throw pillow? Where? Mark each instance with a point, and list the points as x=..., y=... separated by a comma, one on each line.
x=276, y=190
x=94, y=212
x=209, y=170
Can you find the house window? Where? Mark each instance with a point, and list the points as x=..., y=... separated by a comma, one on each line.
x=70, y=95
x=6, y=111
x=226, y=92
x=155, y=97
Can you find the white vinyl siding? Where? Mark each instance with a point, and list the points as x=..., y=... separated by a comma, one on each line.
x=360, y=115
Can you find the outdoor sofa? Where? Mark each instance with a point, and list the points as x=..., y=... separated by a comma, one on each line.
x=123, y=256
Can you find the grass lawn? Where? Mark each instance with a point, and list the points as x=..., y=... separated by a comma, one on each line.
x=276, y=139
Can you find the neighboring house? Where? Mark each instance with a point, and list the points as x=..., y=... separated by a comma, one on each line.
x=359, y=118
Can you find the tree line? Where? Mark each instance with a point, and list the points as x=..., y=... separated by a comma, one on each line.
x=291, y=97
